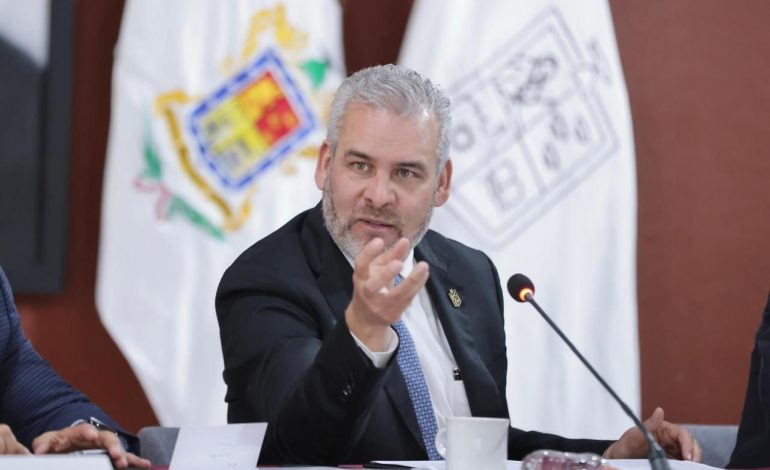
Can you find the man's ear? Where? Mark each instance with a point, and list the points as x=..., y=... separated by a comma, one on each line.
x=323, y=164
x=444, y=183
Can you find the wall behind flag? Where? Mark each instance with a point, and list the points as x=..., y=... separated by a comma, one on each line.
x=694, y=71
x=697, y=85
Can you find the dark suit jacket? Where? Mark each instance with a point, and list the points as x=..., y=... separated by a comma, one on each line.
x=752, y=448
x=33, y=398
x=291, y=361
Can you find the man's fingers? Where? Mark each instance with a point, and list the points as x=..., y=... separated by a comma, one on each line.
x=377, y=303
x=378, y=275
x=675, y=439
x=370, y=251
x=47, y=442
x=416, y=279
x=398, y=251
x=684, y=444
x=21, y=450
x=687, y=446
x=110, y=442
x=382, y=278
x=390, y=263
x=403, y=294
x=655, y=420
x=137, y=462
x=41, y=444
x=373, y=255
x=8, y=443
x=696, y=454
x=82, y=436
x=85, y=436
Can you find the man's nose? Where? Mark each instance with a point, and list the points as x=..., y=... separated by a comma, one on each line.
x=380, y=191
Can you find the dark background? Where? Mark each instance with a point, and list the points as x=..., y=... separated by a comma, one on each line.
x=35, y=105
x=696, y=72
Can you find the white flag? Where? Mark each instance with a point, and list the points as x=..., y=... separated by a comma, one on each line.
x=544, y=182
x=218, y=110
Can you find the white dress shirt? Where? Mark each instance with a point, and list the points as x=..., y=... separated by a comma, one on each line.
x=446, y=394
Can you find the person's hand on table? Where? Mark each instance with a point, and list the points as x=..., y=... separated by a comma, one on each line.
x=85, y=436
x=8, y=443
x=674, y=439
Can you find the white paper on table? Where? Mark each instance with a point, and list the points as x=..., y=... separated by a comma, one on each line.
x=439, y=464
x=633, y=464
x=55, y=462
x=231, y=447
x=623, y=464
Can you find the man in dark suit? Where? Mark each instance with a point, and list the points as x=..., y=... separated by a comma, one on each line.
x=355, y=331
x=752, y=447
x=46, y=413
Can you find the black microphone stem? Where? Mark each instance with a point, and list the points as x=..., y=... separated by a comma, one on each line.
x=656, y=455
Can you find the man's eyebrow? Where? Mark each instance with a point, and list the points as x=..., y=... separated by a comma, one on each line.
x=417, y=165
x=358, y=154
x=413, y=164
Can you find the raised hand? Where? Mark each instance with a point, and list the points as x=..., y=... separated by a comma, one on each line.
x=376, y=302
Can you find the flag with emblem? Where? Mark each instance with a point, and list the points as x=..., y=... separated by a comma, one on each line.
x=218, y=111
x=544, y=183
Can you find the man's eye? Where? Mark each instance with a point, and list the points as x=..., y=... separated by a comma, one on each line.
x=405, y=173
x=360, y=166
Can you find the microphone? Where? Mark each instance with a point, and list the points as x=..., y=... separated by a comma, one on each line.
x=523, y=290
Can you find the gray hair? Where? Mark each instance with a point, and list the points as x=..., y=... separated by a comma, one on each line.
x=397, y=89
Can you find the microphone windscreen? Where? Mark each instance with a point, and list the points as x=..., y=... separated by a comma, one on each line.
x=519, y=285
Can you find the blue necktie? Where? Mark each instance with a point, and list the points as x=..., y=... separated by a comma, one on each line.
x=416, y=386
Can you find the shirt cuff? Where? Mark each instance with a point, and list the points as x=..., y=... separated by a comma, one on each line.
x=380, y=359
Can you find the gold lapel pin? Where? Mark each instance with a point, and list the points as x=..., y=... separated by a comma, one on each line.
x=454, y=297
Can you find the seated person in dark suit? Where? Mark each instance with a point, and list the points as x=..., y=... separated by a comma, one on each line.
x=355, y=331
x=40, y=411
x=752, y=448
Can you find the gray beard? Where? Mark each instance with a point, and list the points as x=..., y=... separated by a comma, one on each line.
x=342, y=230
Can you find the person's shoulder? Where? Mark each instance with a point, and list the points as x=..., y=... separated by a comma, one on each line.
x=6, y=295
x=279, y=252
x=453, y=251
x=5, y=284
x=439, y=241
x=278, y=243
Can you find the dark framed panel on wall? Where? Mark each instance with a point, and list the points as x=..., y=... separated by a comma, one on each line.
x=35, y=111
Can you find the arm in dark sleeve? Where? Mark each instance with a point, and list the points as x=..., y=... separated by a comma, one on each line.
x=752, y=447
x=35, y=399
x=290, y=362
x=521, y=443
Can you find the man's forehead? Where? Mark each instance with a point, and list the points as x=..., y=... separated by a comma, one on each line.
x=386, y=124
x=421, y=114
x=382, y=136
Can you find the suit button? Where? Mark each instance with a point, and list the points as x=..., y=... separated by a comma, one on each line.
x=346, y=392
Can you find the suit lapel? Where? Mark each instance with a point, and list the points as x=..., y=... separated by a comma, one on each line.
x=480, y=387
x=333, y=272
x=395, y=387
